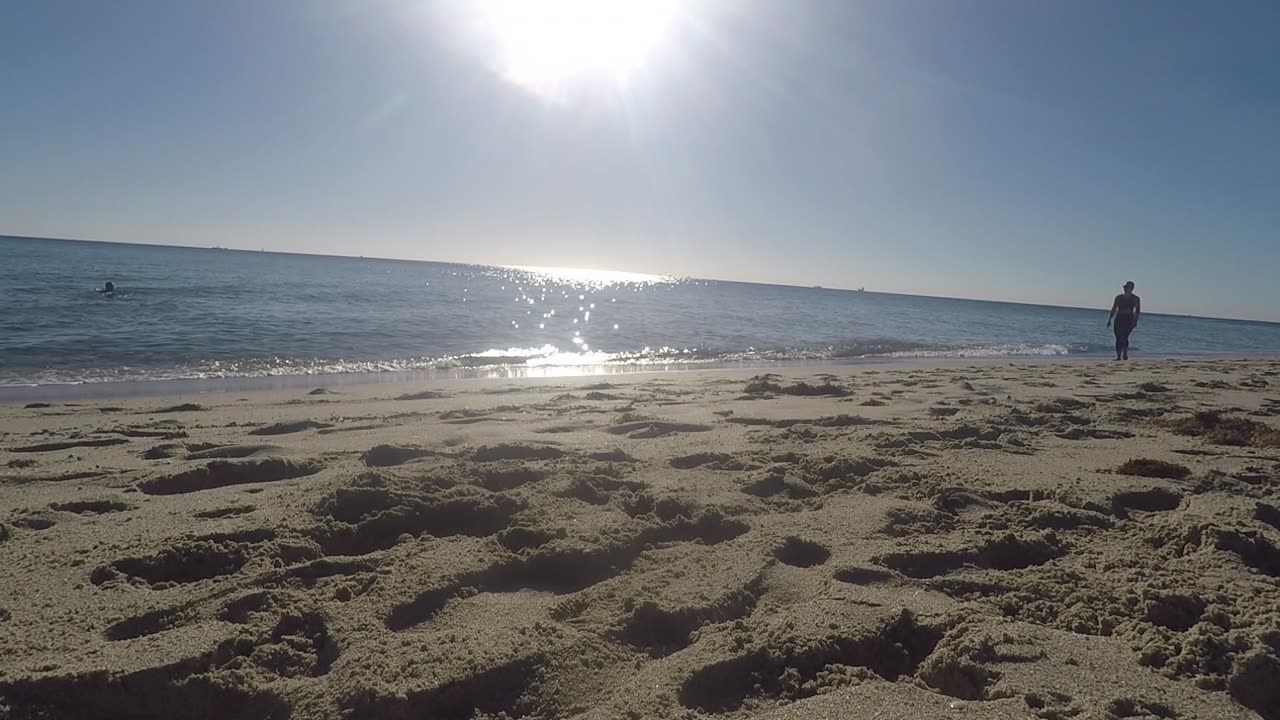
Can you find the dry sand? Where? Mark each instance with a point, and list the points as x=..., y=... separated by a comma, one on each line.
x=1057, y=540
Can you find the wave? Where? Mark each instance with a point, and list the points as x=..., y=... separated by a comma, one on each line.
x=536, y=359
x=1003, y=350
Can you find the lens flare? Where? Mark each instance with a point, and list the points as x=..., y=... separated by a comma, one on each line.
x=546, y=45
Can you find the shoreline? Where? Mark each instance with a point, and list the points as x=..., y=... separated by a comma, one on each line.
x=123, y=389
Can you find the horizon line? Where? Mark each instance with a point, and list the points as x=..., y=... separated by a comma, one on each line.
x=661, y=275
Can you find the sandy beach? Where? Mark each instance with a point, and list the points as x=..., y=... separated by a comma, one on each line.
x=991, y=540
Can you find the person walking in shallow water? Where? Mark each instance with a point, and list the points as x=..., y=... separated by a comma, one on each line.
x=1124, y=318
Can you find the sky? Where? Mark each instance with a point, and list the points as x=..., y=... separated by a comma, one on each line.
x=996, y=149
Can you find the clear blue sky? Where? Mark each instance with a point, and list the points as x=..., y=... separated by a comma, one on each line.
x=998, y=149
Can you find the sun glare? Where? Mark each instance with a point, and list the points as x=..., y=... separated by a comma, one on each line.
x=585, y=276
x=546, y=45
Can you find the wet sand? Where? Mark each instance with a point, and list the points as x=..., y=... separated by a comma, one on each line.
x=993, y=540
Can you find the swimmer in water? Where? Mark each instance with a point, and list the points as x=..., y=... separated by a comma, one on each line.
x=108, y=289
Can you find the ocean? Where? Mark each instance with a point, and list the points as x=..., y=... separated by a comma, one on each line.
x=184, y=313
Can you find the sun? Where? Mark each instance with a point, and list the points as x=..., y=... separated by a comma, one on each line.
x=546, y=46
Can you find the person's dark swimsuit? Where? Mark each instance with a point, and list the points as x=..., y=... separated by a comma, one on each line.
x=1123, y=324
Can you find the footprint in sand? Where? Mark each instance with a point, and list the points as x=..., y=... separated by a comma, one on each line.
x=801, y=553
x=182, y=685
x=231, y=452
x=494, y=453
x=1006, y=553
x=494, y=691
x=222, y=473
x=186, y=561
x=598, y=490
x=392, y=455
x=864, y=576
x=92, y=507
x=226, y=512
x=34, y=521
x=891, y=650
x=69, y=444
x=662, y=628
x=184, y=407
x=364, y=519
x=645, y=429
x=290, y=427
x=712, y=461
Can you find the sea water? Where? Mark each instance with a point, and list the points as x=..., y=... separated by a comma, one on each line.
x=212, y=313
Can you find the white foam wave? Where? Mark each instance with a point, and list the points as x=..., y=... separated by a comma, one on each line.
x=984, y=351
